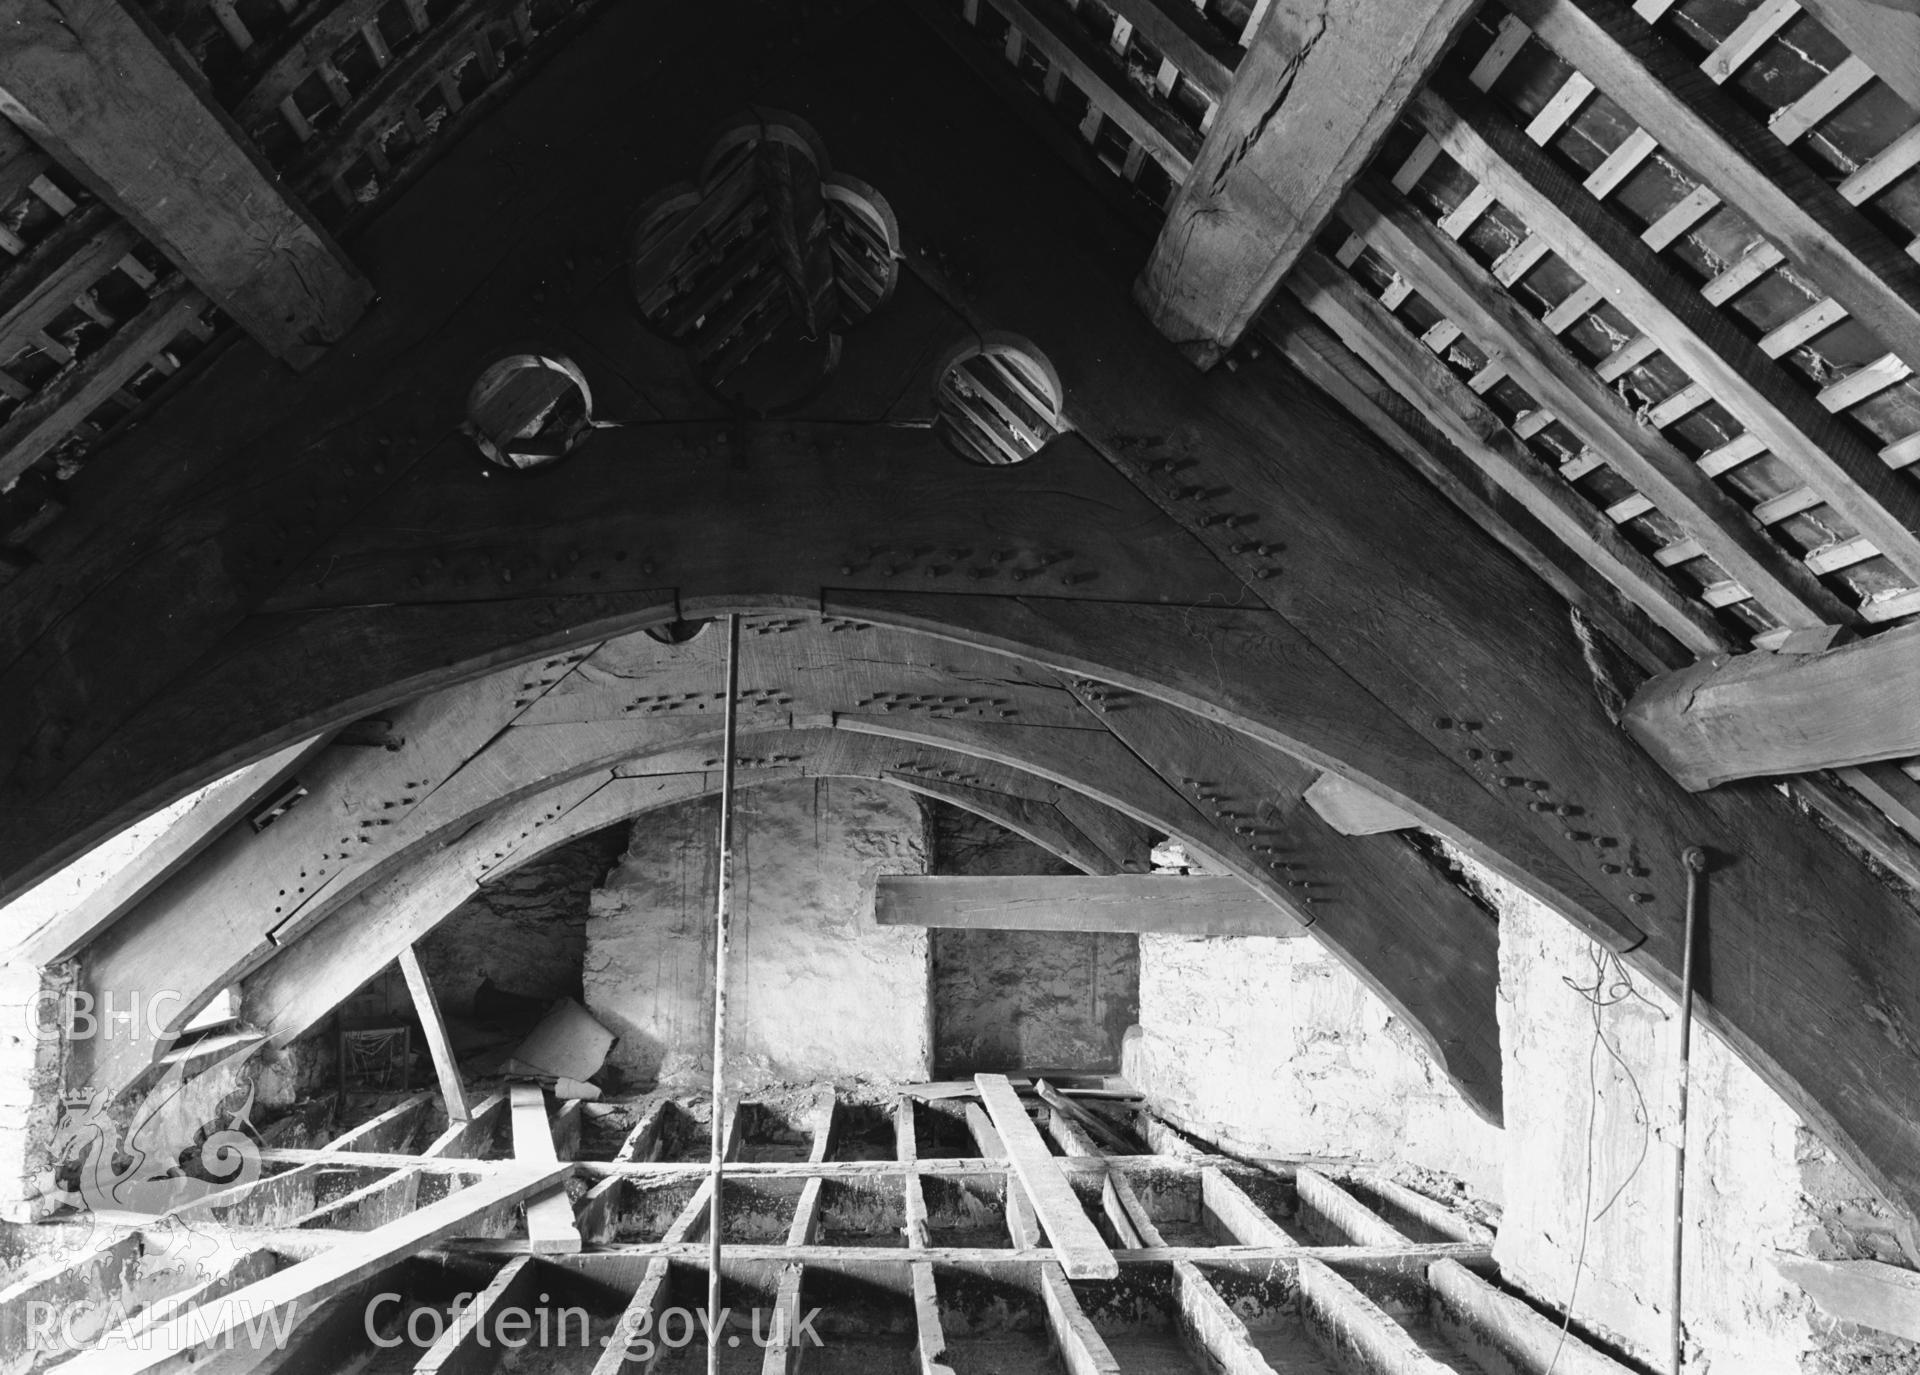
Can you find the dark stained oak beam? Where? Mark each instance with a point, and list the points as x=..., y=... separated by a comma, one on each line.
x=1564, y=517
x=101, y=89
x=1319, y=88
x=1755, y=715
x=1348, y=344
x=1183, y=905
x=1257, y=559
x=1700, y=126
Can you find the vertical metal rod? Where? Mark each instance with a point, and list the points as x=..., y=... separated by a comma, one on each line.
x=722, y=930
x=1695, y=859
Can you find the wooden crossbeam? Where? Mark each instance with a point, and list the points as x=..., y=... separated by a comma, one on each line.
x=641, y=1316
x=1196, y=906
x=1343, y=1212
x=1246, y=1221
x=1081, y=1349
x=1760, y=714
x=1082, y=1254
x=386, y=1131
x=94, y=83
x=304, y=1286
x=462, y=1348
x=1701, y=126
x=1318, y=90
x=446, y=1065
x=470, y=1138
x=1210, y=1328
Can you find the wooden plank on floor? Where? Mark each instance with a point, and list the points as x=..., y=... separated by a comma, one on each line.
x=1189, y=905
x=463, y=1348
x=1023, y=1227
x=1081, y=1349
x=387, y=1131
x=472, y=1137
x=931, y=1343
x=1320, y=87
x=906, y=1149
x=1082, y=1253
x=303, y=1286
x=1354, y=1329
x=1245, y=1221
x=1211, y=1330
x=786, y=1341
x=445, y=1063
x=641, y=1317
x=550, y=1224
x=101, y=88
x=1343, y=1212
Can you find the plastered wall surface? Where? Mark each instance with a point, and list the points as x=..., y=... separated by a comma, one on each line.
x=1590, y=1127
x=817, y=991
x=1271, y=1047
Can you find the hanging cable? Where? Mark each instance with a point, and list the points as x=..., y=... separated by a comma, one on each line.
x=1696, y=861
x=722, y=930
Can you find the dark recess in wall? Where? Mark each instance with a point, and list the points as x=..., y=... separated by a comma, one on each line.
x=1023, y=1000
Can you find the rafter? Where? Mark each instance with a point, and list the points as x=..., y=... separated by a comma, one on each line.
x=92, y=81
x=1254, y=559
x=1701, y=126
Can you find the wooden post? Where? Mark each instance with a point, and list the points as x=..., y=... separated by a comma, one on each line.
x=427, y=1008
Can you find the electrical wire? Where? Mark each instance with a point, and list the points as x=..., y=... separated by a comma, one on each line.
x=1612, y=985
